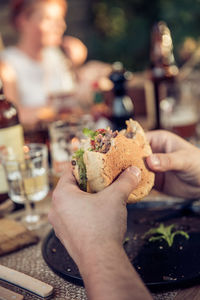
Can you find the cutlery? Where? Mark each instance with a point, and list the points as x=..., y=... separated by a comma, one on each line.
x=25, y=282
x=6, y=294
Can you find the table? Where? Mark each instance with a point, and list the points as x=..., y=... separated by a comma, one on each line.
x=31, y=262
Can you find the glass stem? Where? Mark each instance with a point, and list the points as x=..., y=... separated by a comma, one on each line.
x=28, y=207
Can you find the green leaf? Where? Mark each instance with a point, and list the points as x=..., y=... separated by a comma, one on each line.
x=168, y=229
x=170, y=240
x=155, y=238
x=183, y=233
x=90, y=133
x=165, y=233
x=78, y=154
x=150, y=232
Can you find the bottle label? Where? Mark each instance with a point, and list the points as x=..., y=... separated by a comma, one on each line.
x=3, y=181
x=123, y=107
x=11, y=141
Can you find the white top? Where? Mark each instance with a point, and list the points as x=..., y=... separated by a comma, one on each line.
x=36, y=81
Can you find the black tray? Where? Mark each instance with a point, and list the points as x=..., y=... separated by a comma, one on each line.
x=159, y=266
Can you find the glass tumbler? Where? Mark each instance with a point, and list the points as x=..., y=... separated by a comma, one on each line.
x=28, y=181
x=65, y=139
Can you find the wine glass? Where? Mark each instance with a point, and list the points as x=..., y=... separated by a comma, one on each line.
x=28, y=181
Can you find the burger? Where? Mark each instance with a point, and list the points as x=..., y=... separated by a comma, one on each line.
x=104, y=154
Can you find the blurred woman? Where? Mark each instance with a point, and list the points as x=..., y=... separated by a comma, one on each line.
x=36, y=68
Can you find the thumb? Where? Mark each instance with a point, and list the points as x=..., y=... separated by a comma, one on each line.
x=125, y=184
x=162, y=162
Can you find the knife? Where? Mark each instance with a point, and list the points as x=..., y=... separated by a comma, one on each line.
x=26, y=282
x=6, y=294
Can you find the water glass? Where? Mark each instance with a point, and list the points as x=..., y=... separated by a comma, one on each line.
x=28, y=180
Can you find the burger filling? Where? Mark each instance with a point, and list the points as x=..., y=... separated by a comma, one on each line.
x=78, y=159
x=130, y=131
x=129, y=134
x=100, y=141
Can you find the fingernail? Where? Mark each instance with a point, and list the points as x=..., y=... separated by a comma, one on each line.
x=135, y=171
x=155, y=160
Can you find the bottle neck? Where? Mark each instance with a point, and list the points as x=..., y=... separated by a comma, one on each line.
x=119, y=89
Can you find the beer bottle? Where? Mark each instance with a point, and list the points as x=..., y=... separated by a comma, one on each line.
x=163, y=66
x=11, y=137
x=122, y=105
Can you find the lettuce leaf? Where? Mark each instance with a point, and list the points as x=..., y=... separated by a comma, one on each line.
x=78, y=155
x=90, y=133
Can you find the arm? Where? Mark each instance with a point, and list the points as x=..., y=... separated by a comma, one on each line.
x=176, y=163
x=8, y=76
x=75, y=50
x=28, y=115
x=109, y=275
x=92, y=228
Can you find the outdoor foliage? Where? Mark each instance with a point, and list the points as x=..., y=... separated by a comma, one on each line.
x=122, y=28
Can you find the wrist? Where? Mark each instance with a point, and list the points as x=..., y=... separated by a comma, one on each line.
x=95, y=255
x=108, y=274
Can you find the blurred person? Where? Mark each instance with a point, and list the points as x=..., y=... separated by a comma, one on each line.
x=36, y=68
x=92, y=226
x=187, y=49
x=87, y=72
x=75, y=50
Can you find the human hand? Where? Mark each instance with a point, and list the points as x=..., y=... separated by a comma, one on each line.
x=85, y=222
x=176, y=163
x=75, y=50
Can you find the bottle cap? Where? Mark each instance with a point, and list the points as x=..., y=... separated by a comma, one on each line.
x=117, y=66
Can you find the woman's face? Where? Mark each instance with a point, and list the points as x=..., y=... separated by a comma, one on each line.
x=45, y=25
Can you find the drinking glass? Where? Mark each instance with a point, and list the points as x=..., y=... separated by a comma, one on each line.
x=28, y=181
x=64, y=141
x=179, y=110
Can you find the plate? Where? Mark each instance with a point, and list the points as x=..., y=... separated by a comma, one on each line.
x=158, y=265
